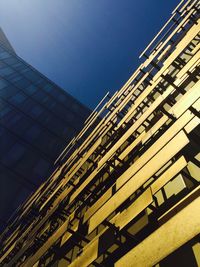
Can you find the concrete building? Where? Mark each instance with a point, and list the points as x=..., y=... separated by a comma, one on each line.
x=129, y=195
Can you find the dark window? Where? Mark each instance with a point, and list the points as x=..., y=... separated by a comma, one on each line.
x=31, y=75
x=6, y=71
x=3, y=84
x=40, y=81
x=51, y=104
x=11, y=60
x=41, y=96
x=33, y=132
x=25, y=70
x=48, y=87
x=61, y=97
x=14, y=77
x=8, y=91
x=36, y=110
x=41, y=167
x=14, y=154
x=6, y=141
x=20, y=66
x=18, y=98
x=12, y=120
x=8, y=181
x=5, y=110
x=27, y=162
x=22, y=125
x=54, y=92
x=4, y=54
x=16, y=121
x=23, y=83
x=31, y=89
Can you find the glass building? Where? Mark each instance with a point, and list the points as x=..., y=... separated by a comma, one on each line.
x=37, y=120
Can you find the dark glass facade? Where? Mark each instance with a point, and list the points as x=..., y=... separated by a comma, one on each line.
x=5, y=42
x=37, y=120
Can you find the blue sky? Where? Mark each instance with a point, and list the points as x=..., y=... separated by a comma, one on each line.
x=88, y=47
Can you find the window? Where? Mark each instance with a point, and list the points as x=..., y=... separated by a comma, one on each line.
x=33, y=132
x=13, y=119
x=24, y=70
x=3, y=84
x=8, y=91
x=11, y=60
x=51, y=104
x=41, y=96
x=27, y=162
x=71, y=116
x=36, y=110
x=24, y=124
x=22, y=83
x=48, y=87
x=8, y=180
x=6, y=71
x=41, y=167
x=17, y=122
x=5, y=110
x=18, y=98
x=40, y=81
x=61, y=97
x=4, y=54
x=31, y=75
x=54, y=92
x=75, y=107
x=31, y=89
x=19, y=66
x=46, y=143
x=14, y=77
x=14, y=154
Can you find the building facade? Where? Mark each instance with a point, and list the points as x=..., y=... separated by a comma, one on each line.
x=37, y=120
x=129, y=195
x=5, y=42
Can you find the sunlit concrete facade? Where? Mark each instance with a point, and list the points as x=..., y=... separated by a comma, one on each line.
x=129, y=195
x=37, y=120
